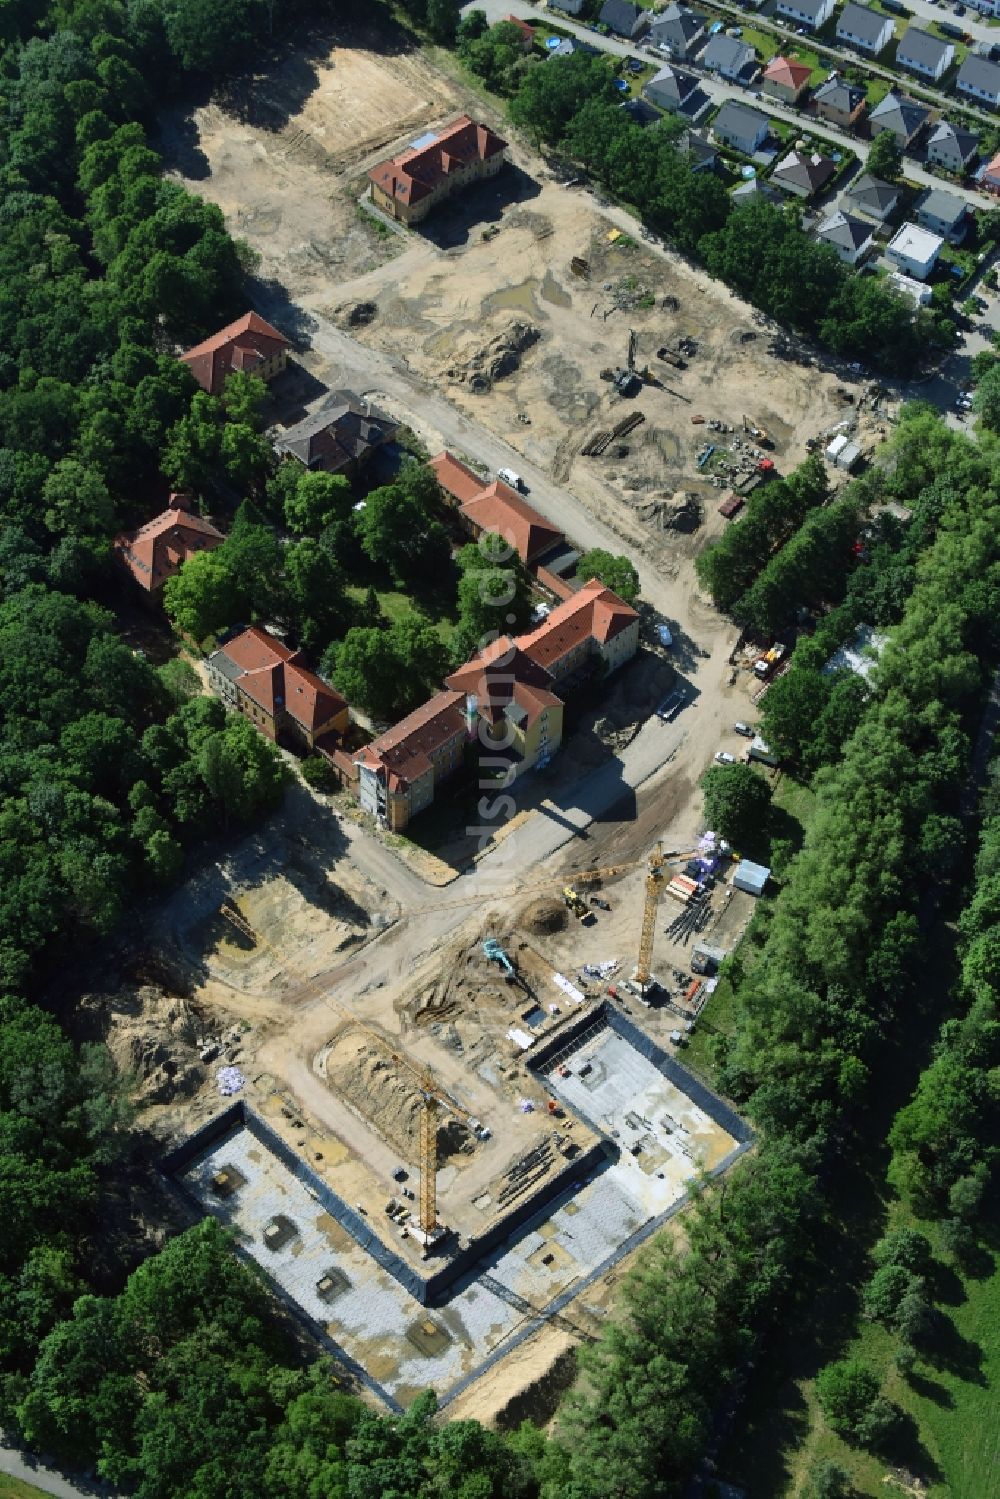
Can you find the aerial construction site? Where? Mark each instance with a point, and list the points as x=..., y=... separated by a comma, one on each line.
x=444, y=1152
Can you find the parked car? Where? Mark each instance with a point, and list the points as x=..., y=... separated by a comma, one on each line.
x=508, y=476
x=743, y=728
x=723, y=757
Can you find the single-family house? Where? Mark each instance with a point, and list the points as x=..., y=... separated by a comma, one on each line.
x=640, y=113
x=399, y=771
x=943, y=213
x=755, y=190
x=850, y=237
x=785, y=79
x=979, y=79
x=340, y=438
x=679, y=92
x=568, y=46
x=697, y=149
x=159, y=549
x=872, y=196
x=568, y=7
x=802, y=174
x=919, y=52
x=259, y=676
x=841, y=102
x=679, y=29
x=870, y=31
x=249, y=346
x=914, y=291
x=951, y=147
x=904, y=117
x=624, y=19
x=730, y=58
x=989, y=177
x=511, y=711
x=741, y=127
x=436, y=165
x=527, y=32
x=810, y=13
x=914, y=251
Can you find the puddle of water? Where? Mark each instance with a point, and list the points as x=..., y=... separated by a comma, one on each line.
x=554, y=293
x=519, y=298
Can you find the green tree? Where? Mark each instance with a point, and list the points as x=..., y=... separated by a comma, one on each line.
x=204, y=596
x=76, y=501
x=442, y=20
x=316, y=501
x=494, y=595
x=398, y=533
x=737, y=802
x=885, y=159
x=616, y=573
x=846, y=1391
x=388, y=672
x=986, y=400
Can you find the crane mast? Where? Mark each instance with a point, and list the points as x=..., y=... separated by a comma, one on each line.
x=654, y=882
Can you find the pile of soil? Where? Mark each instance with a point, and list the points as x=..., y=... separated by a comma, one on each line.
x=497, y=358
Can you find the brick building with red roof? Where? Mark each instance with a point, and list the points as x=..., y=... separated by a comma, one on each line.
x=496, y=507
x=259, y=676
x=250, y=346
x=408, y=186
x=159, y=549
x=504, y=701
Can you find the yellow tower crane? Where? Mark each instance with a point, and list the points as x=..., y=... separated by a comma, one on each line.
x=432, y=1097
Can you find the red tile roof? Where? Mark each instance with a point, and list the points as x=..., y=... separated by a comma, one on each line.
x=403, y=752
x=991, y=171
x=496, y=507
x=502, y=674
x=784, y=70
x=415, y=174
x=594, y=612
x=157, y=550
x=528, y=32
x=499, y=508
x=240, y=346
x=455, y=479
x=274, y=677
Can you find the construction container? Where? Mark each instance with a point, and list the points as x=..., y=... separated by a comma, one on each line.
x=751, y=877
x=731, y=505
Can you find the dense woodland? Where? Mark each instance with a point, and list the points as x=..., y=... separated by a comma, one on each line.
x=181, y=1378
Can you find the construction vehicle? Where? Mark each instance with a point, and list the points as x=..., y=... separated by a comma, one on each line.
x=432, y=1097
x=759, y=434
x=576, y=902
x=765, y=665
x=670, y=356
x=496, y=954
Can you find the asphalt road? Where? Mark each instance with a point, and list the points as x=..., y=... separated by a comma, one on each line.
x=718, y=90
x=14, y=1463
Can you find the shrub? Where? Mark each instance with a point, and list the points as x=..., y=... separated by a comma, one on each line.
x=846, y=1391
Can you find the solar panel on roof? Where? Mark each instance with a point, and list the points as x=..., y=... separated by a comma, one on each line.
x=423, y=141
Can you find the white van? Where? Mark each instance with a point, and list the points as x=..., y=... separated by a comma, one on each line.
x=509, y=477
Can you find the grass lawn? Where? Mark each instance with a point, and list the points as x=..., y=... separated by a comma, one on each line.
x=820, y=69
x=954, y=1439
x=394, y=605
x=765, y=42
x=876, y=89
x=13, y=1488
